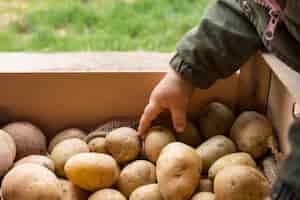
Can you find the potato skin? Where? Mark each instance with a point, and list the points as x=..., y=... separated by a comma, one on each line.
x=204, y=196
x=229, y=160
x=240, y=183
x=64, y=135
x=215, y=148
x=92, y=171
x=190, y=136
x=28, y=138
x=215, y=119
x=98, y=145
x=136, y=174
x=30, y=182
x=251, y=132
x=156, y=139
x=71, y=192
x=64, y=150
x=178, y=171
x=39, y=160
x=123, y=144
x=146, y=192
x=107, y=194
x=7, y=152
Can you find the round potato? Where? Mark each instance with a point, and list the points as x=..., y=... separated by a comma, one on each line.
x=95, y=134
x=30, y=182
x=204, y=196
x=28, y=138
x=229, y=160
x=39, y=160
x=92, y=171
x=190, y=136
x=146, y=192
x=64, y=135
x=239, y=183
x=72, y=192
x=123, y=144
x=178, y=171
x=64, y=150
x=156, y=139
x=215, y=148
x=116, y=123
x=107, y=194
x=205, y=185
x=251, y=132
x=98, y=145
x=215, y=119
x=136, y=174
x=7, y=152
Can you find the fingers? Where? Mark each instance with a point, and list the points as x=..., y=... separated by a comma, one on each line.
x=150, y=113
x=179, y=119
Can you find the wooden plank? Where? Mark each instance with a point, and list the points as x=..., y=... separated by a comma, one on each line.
x=280, y=111
x=55, y=101
x=289, y=77
x=84, y=62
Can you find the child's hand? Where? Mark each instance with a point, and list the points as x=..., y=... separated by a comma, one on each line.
x=172, y=93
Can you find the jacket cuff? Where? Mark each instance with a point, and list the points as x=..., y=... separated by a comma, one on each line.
x=199, y=77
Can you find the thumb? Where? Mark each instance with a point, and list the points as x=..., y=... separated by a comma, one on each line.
x=179, y=118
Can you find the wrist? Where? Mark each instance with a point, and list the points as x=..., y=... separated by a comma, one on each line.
x=183, y=82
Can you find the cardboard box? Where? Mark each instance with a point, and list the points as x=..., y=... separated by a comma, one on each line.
x=57, y=91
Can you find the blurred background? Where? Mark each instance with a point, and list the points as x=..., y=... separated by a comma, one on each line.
x=96, y=25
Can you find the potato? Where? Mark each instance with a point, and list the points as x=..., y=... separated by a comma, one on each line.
x=39, y=160
x=116, y=123
x=71, y=192
x=205, y=185
x=30, y=182
x=215, y=148
x=204, y=196
x=7, y=152
x=239, y=183
x=215, y=119
x=123, y=144
x=95, y=134
x=98, y=145
x=146, y=192
x=107, y=194
x=136, y=174
x=156, y=139
x=190, y=136
x=64, y=135
x=92, y=171
x=178, y=171
x=229, y=160
x=64, y=150
x=28, y=138
x=251, y=132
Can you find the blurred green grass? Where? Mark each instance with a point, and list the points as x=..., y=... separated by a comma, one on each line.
x=100, y=25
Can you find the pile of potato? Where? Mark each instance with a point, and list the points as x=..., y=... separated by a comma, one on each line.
x=214, y=159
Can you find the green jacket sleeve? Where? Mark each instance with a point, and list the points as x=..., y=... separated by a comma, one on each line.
x=224, y=40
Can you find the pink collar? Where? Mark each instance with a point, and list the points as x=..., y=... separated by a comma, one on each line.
x=275, y=13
